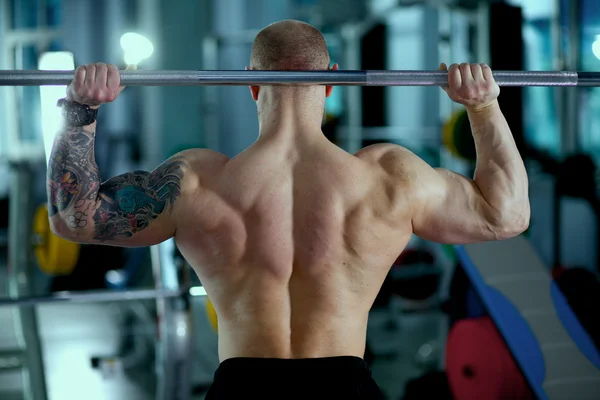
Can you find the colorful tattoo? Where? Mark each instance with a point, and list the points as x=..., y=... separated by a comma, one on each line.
x=130, y=202
x=72, y=171
x=118, y=208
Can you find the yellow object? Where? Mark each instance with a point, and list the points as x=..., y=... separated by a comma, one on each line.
x=448, y=133
x=55, y=255
x=212, y=315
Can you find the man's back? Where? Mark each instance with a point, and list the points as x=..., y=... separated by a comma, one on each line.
x=293, y=237
x=293, y=246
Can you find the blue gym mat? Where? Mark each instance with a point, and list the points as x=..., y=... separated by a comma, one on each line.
x=555, y=354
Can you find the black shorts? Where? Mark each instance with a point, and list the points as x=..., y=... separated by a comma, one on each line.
x=273, y=378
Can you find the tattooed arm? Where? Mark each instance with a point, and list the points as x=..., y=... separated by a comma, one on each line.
x=133, y=209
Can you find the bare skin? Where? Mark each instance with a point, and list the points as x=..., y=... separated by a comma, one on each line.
x=293, y=237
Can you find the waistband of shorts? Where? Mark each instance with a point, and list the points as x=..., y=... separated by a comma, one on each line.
x=341, y=362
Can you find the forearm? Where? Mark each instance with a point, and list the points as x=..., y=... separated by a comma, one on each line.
x=73, y=180
x=500, y=172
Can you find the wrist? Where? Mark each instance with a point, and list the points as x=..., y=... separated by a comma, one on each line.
x=484, y=109
x=70, y=98
x=77, y=114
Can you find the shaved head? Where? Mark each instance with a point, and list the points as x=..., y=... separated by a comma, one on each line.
x=290, y=45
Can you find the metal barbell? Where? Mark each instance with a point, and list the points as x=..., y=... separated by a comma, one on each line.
x=334, y=78
x=93, y=297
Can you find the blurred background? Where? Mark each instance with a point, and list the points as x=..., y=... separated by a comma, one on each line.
x=158, y=342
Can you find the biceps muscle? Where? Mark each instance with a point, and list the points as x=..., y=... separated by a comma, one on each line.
x=131, y=203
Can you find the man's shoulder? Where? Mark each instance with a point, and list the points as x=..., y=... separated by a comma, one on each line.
x=201, y=156
x=201, y=161
x=384, y=153
x=199, y=166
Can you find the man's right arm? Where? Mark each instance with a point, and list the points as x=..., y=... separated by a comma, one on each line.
x=450, y=208
x=132, y=209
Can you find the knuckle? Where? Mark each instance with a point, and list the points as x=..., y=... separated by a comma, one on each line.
x=95, y=94
x=87, y=93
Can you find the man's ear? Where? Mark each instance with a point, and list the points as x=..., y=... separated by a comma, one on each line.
x=329, y=89
x=253, y=89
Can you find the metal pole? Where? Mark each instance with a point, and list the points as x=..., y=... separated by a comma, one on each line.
x=265, y=78
x=148, y=14
x=571, y=134
x=210, y=59
x=174, y=343
x=11, y=141
x=20, y=273
x=354, y=109
x=4, y=92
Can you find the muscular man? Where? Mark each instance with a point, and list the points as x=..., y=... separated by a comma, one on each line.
x=293, y=237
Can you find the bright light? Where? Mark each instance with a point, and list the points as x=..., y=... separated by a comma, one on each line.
x=136, y=47
x=596, y=47
x=49, y=95
x=197, y=291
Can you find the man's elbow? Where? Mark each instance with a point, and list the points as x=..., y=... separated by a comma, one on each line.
x=61, y=229
x=512, y=221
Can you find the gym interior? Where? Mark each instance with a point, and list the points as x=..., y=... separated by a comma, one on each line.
x=513, y=319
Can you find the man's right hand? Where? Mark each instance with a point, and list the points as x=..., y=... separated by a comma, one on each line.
x=472, y=85
x=95, y=84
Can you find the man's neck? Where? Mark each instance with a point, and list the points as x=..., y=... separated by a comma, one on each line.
x=294, y=113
